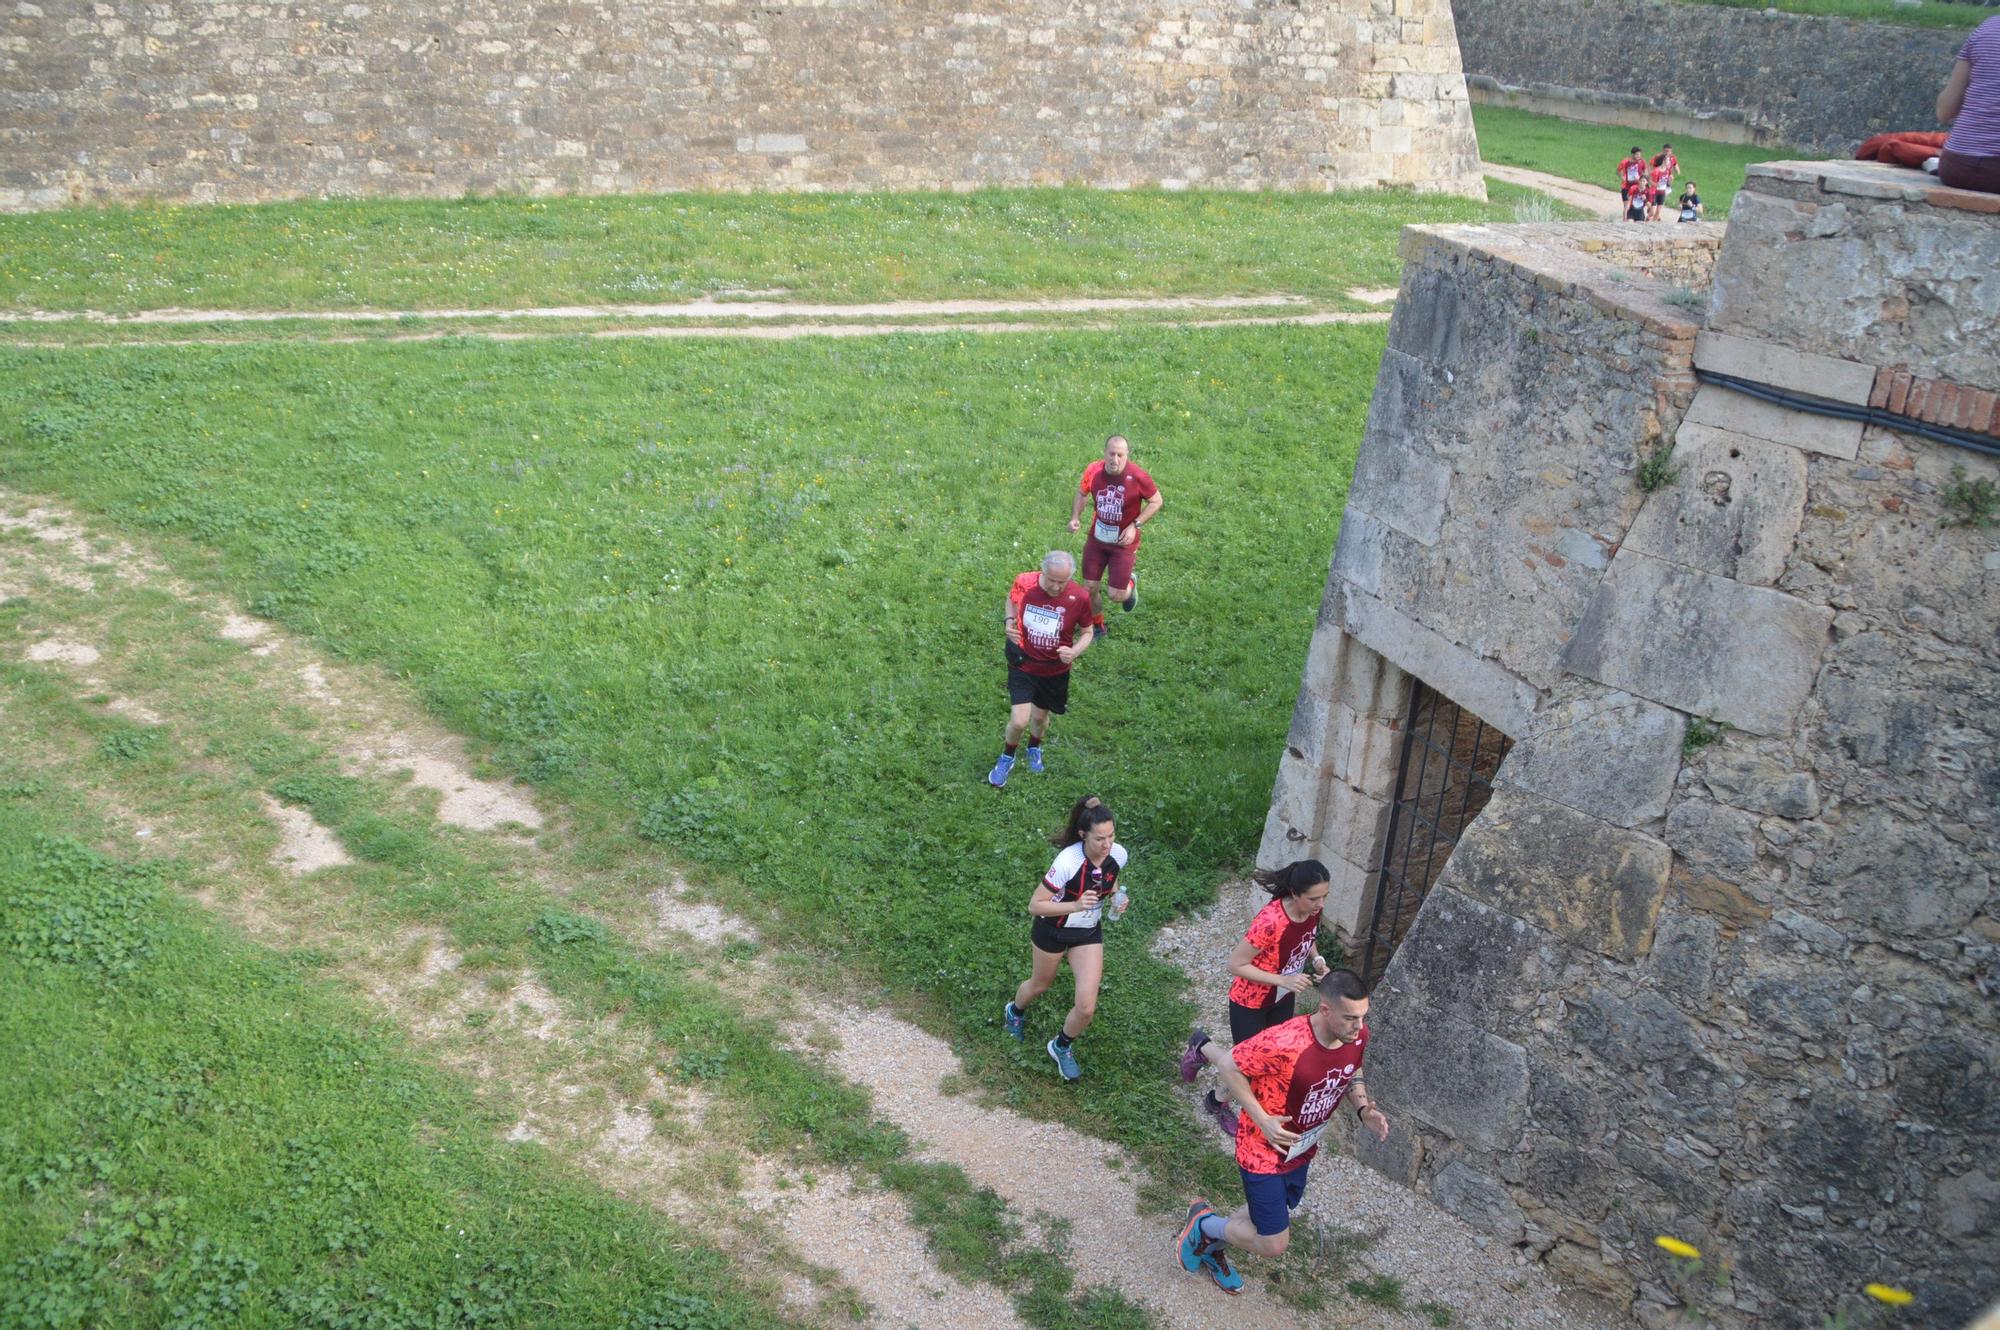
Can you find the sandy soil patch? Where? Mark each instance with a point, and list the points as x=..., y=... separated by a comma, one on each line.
x=242, y=628
x=673, y=911
x=62, y=651
x=861, y=1233
x=126, y=707
x=304, y=846
x=464, y=800
x=1373, y=295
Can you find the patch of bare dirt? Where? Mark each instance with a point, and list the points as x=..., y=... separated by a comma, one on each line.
x=464, y=799
x=62, y=651
x=136, y=711
x=1373, y=295
x=861, y=1233
x=304, y=846
x=674, y=911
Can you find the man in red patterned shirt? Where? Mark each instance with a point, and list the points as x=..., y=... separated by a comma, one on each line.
x=1047, y=621
x=1122, y=498
x=1290, y=1078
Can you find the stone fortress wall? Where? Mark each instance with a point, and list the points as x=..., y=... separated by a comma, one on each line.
x=1745, y=994
x=210, y=100
x=1739, y=75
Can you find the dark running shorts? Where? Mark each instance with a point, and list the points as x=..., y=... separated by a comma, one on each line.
x=1273, y=1197
x=1049, y=692
x=1048, y=936
x=1246, y=1021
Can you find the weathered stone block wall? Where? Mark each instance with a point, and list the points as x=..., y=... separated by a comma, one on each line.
x=193, y=99
x=1745, y=75
x=1464, y=563
x=1741, y=993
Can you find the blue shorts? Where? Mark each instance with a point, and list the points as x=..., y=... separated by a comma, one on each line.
x=1273, y=1197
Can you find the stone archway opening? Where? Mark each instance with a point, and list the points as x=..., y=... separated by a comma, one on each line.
x=1445, y=767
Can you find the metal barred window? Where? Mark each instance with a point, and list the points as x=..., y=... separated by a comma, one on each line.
x=1444, y=777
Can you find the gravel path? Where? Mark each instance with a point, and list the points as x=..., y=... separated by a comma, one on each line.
x=689, y=309
x=769, y=332
x=1594, y=199
x=1041, y=1166
x=1437, y=1256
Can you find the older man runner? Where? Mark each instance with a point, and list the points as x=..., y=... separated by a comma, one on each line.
x=1122, y=498
x=1290, y=1079
x=1047, y=618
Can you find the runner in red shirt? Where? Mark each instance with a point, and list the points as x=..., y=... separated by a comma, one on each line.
x=1047, y=617
x=1078, y=893
x=1290, y=1080
x=1271, y=961
x=1122, y=498
x=1631, y=174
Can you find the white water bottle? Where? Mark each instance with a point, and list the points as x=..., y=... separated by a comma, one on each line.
x=1119, y=900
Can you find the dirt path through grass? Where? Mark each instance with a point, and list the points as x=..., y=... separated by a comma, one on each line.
x=1139, y=316
x=572, y=1076
x=574, y=1083
x=1600, y=203
x=587, y=1083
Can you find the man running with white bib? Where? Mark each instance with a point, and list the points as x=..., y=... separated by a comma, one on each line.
x=1121, y=498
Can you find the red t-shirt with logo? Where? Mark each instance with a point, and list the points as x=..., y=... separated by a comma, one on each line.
x=1047, y=622
x=1117, y=500
x=1632, y=171
x=1297, y=1080
x=1283, y=947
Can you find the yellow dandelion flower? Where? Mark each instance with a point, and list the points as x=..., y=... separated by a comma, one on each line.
x=1889, y=1293
x=1675, y=1247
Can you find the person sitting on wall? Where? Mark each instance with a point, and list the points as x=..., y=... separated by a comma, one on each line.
x=1690, y=204
x=1970, y=104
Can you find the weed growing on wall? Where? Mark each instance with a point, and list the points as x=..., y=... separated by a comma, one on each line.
x=1967, y=502
x=1700, y=734
x=1657, y=470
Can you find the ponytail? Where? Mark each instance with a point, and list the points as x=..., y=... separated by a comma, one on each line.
x=1299, y=876
x=1084, y=814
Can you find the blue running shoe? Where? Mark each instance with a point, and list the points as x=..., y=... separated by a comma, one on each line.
x=1131, y=602
x=1016, y=1023
x=1191, y=1243
x=1035, y=759
x=1065, y=1061
x=1100, y=631
x=1226, y=1276
x=998, y=776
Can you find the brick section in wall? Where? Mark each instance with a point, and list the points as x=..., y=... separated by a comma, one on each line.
x=1936, y=401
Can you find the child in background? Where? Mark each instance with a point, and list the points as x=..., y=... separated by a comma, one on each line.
x=1690, y=204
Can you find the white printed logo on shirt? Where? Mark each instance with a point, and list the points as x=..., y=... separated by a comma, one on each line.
x=1042, y=624
x=1296, y=962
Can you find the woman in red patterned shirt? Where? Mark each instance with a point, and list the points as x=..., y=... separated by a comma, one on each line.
x=1270, y=964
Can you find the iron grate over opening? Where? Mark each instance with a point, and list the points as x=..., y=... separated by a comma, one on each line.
x=1444, y=776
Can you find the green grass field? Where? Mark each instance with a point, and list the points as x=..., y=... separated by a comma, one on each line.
x=1591, y=153
x=197, y=1133
x=1930, y=14
x=505, y=252
x=742, y=599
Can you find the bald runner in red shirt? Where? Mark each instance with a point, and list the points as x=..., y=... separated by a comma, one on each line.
x=1121, y=498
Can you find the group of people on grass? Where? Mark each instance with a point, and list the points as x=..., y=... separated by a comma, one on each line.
x=1284, y=1075
x=1643, y=186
